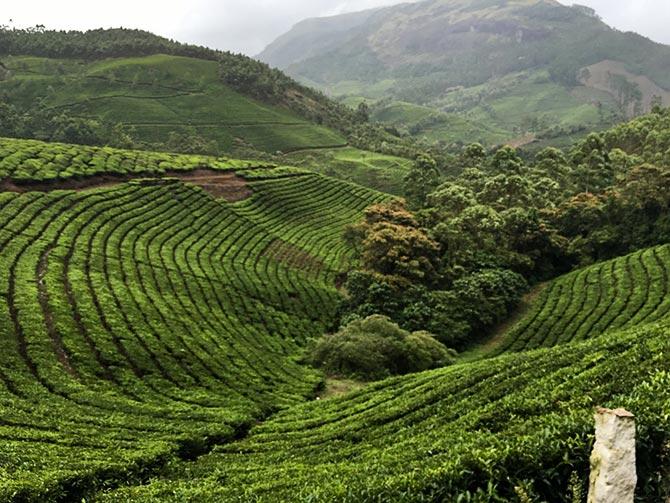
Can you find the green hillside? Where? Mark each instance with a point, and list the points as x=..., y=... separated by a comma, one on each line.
x=505, y=71
x=159, y=315
x=148, y=320
x=617, y=294
x=157, y=97
x=490, y=430
x=385, y=173
x=473, y=432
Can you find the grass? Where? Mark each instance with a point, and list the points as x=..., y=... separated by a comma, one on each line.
x=400, y=112
x=336, y=387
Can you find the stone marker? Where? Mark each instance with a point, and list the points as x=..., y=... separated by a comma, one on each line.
x=613, y=476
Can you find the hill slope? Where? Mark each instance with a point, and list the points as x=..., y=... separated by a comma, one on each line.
x=154, y=97
x=158, y=92
x=620, y=293
x=146, y=320
x=520, y=66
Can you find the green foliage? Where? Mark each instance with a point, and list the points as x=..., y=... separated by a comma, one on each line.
x=470, y=432
x=376, y=171
x=158, y=102
x=391, y=242
x=472, y=306
x=94, y=44
x=143, y=324
x=621, y=293
x=156, y=87
x=374, y=348
x=31, y=160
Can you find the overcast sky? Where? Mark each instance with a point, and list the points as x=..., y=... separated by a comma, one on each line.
x=249, y=25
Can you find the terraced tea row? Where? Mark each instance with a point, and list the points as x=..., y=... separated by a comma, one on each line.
x=620, y=293
x=326, y=208
x=471, y=432
x=31, y=160
x=144, y=320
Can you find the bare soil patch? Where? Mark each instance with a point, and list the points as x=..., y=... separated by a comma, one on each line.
x=599, y=77
x=228, y=186
x=522, y=141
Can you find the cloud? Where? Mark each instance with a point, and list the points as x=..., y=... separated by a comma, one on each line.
x=249, y=25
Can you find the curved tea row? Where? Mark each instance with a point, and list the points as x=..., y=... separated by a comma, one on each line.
x=619, y=293
x=472, y=432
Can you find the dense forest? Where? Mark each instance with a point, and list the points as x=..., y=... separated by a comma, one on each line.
x=476, y=233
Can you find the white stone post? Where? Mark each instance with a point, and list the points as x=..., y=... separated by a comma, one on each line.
x=613, y=475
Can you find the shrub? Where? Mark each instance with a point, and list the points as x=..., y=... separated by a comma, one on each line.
x=375, y=347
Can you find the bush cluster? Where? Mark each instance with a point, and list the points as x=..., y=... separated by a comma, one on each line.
x=374, y=348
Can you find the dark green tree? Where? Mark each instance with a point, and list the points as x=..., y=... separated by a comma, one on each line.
x=422, y=179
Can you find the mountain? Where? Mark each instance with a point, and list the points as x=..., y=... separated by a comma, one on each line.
x=499, y=69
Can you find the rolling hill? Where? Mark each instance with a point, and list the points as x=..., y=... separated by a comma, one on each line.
x=155, y=96
x=156, y=308
x=617, y=294
x=504, y=70
x=150, y=319
x=156, y=90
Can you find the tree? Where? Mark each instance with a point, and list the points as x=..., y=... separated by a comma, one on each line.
x=10, y=120
x=390, y=242
x=422, y=179
x=506, y=160
x=592, y=164
x=450, y=199
x=506, y=191
x=400, y=250
x=363, y=112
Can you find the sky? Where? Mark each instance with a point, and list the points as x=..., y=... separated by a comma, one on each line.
x=247, y=26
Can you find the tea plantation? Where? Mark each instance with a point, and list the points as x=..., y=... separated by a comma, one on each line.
x=148, y=320
x=151, y=338
x=158, y=95
x=491, y=430
x=620, y=293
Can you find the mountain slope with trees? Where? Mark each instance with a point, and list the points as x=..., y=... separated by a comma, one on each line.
x=510, y=70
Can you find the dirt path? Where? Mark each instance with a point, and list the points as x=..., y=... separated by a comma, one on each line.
x=498, y=334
